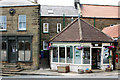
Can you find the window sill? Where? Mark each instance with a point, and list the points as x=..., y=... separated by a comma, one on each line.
x=3, y=30
x=25, y=61
x=21, y=30
x=45, y=32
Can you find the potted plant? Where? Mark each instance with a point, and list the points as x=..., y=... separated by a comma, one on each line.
x=80, y=71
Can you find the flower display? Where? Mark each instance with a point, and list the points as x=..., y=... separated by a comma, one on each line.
x=80, y=47
x=111, y=47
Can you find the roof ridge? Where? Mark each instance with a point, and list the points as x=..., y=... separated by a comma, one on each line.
x=64, y=29
x=80, y=28
x=97, y=29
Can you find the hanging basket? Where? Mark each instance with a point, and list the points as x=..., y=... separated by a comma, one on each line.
x=111, y=47
x=79, y=48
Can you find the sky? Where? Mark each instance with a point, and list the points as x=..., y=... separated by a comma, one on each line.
x=71, y=2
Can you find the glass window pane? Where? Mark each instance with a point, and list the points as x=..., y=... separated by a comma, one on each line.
x=55, y=54
x=86, y=55
x=21, y=51
x=77, y=55
x=4, y=52
x=105, y=55
x=69, y=54
x=62, y=54
x=27, y=51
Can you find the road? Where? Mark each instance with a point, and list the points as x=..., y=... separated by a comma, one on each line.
x=42, y=77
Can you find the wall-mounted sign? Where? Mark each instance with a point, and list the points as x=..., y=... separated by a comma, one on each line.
x=12, y=12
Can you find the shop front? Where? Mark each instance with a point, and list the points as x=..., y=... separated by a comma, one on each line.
x=67, y=54
x=16, y=49
x=81, y=46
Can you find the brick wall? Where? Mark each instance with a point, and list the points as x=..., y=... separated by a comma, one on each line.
x=101, y=23
x=52, y=26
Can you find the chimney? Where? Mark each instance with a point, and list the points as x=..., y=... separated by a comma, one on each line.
x=35, y=1
x=78, y=7
x=76, y=2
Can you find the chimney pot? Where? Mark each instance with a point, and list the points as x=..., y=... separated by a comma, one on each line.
x=35, y=1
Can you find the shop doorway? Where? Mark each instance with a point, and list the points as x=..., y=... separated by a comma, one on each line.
x=12, y=54
x=96, y=58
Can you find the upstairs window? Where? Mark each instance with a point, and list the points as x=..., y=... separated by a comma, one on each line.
x=45, y=27
x=3, y=23
x=45, y=45
x=22, y=22
x=58, y=27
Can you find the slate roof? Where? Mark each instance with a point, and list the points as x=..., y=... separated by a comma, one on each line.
x=7, y=3
x=113, y=31
x=58, y=10
x=81, y=31
x=99, y=11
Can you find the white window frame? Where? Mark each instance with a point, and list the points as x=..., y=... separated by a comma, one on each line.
x=44, y=45
x=58, y=27
x=23, y=28
x=44, y=28
x=3, y=22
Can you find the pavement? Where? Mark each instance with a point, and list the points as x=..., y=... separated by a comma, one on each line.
x=48, y=72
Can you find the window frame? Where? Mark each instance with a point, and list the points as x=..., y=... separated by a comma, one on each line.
x=58, y=27
x=3, y=22
x=22, y=23
x=24, y=50
x=44, y=45
x=44, y=28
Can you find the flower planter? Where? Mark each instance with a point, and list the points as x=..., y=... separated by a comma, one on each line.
x=80, y=71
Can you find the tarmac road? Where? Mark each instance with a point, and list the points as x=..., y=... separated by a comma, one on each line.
x=42, y=77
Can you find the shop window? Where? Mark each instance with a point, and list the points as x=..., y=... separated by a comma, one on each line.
x=3, y=23
x=4, y=52
x=24, y=51
x=45, y=27
x=58, y=27
x=22, y=22
x=105, y=55
x=27, y=51
x=55, y=54
x=77, y=54
x=62, y=54
x=86, y=55
x=45, y=45
x=69, y=54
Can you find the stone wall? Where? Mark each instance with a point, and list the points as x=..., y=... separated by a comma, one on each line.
x=32, y=28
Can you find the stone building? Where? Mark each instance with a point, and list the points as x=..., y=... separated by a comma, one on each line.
x=19, y=29
x=53, y=20
x=99, y=16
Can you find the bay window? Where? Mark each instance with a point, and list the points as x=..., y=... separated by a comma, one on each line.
x=86, y=55
x=55, y=54
x=77, y=55
x=62, y=54
x=69, y=54
x=105, y=55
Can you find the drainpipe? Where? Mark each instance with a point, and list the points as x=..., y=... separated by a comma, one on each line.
x=40, y=31
x=63, y=20
x=94, y=22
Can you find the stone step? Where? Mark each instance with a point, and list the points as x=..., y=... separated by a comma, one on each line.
x=10, y=65
x=12, y=68
x=18, y=70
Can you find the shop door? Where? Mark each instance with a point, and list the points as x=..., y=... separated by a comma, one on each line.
x=12, y=51
x=96, y=58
